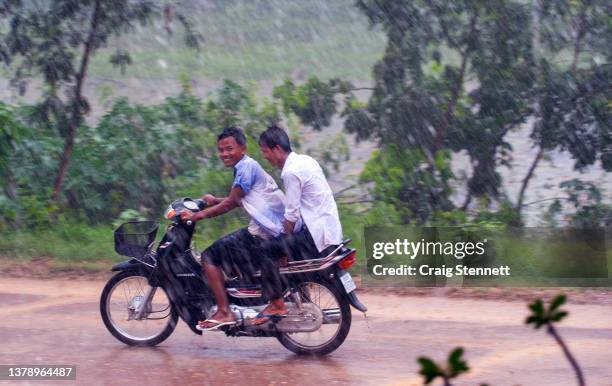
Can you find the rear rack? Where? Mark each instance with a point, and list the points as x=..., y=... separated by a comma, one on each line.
x=318, y=264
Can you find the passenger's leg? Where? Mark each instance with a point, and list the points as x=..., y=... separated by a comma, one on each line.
x=272, y=281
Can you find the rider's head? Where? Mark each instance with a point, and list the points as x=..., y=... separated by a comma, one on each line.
x=231, y=145
x=275, y=146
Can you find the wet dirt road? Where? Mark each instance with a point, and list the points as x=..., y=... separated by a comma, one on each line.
x=57, y=322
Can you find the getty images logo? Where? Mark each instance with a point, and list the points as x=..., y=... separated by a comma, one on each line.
x=412, y=249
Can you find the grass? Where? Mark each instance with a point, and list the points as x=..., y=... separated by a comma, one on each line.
x=76, y=246
x=72, y=243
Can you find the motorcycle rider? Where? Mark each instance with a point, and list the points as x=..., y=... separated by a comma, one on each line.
x=309, y=200
x=257, y=192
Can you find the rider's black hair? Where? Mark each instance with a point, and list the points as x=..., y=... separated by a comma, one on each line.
x=233, y=132
x=275, y=136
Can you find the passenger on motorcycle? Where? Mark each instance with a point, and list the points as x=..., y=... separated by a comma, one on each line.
x=309, y=199
x=257, y=192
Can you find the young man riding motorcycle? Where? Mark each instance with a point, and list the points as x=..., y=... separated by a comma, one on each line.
x=257, y=192
x=309, y=199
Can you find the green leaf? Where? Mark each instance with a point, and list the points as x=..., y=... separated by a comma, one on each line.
x=537, y=307
x=456, y=364
x=557, y=302
x=429, y=369
x=558, y=316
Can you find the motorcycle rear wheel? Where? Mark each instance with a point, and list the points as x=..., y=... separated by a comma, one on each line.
x=329, y=336
x=120, y=299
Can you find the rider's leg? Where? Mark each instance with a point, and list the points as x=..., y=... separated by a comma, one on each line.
x=230, y=250
x=216, y=281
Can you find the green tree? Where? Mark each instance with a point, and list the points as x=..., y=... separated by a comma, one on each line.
x=11, y=133
x=453, y=77
x=458, y=77
x=572, y=91
x=55, y=40
x=162, y=150
x=590, y=211
x=136, y=158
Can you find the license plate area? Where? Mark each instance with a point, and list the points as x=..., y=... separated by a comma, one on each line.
x=347, y=282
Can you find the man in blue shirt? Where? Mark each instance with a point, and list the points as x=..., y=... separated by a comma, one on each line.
x=257, y=192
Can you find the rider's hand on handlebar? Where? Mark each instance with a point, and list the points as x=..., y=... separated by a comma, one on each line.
x=187, y=215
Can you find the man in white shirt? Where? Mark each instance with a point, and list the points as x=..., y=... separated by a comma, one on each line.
x=311, y=225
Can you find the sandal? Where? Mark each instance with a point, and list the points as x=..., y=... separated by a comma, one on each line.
x=265, y=315
x=215, y=324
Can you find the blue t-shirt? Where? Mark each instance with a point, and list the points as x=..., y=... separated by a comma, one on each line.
x=263, y=200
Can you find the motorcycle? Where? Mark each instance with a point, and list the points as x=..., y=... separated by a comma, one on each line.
x=141, y=304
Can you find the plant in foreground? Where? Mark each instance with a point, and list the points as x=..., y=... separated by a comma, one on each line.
x=542, y=316
x=430, y=370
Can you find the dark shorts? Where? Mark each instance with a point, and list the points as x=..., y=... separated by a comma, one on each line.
x=237, y=248
x=243, y=251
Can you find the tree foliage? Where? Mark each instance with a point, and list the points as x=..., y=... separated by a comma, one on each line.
x=458, y=77
x=589, y=209
x=55, y=40
x=136, y=158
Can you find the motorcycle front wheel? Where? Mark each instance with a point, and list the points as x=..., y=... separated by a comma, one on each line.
x=128, y=318
x=335, y=327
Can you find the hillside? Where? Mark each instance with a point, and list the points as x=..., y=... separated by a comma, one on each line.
x=253, y=40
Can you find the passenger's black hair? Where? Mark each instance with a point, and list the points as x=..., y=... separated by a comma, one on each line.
x=233, y=132
x=275, y=136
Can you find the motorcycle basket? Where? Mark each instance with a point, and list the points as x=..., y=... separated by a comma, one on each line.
x=134, y=238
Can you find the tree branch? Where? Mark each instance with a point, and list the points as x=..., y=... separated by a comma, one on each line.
x=579, y=35
x=534, y=164
x=546, y=199
x=355, y=202
x=452, y=103
x=362, y=88
x=338, y=193
x=75, y=118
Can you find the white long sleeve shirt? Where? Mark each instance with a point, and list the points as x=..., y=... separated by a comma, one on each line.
x=310, y=198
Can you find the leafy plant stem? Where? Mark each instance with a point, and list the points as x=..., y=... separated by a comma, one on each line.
x=552, y=331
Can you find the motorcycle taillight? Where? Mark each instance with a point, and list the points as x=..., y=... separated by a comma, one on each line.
x=348, y=261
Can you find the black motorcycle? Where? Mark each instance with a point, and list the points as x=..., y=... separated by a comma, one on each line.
x=141, y=304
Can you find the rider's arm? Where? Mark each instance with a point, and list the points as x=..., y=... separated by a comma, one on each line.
x=293, y=193
x=212, y=200
x=225, y=205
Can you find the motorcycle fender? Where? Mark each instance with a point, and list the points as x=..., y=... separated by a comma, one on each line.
x=128, y=265
x=135, y=266
x=352, y=298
